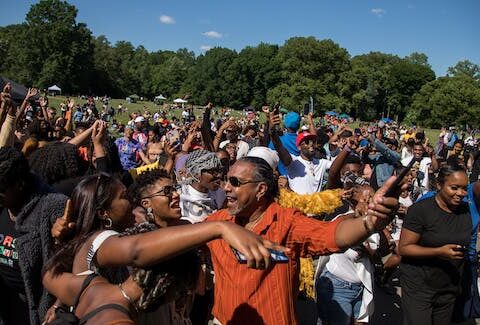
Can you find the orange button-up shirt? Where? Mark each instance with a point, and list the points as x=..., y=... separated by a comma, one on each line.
x=249, y=296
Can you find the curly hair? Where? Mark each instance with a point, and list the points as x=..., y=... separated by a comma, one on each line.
x=13, y=167
x=56, y=162
x=145, y=180
x=167, y=280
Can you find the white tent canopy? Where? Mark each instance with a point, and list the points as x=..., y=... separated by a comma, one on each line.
x=54, y=88
x=180, y=101
x=160, y=97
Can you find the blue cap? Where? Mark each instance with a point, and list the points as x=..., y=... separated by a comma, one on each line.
x=292, y=121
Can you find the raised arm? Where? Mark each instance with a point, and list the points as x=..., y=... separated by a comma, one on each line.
x=380, y=212
x=283, y=153
x=205, y=128
x=159, y=245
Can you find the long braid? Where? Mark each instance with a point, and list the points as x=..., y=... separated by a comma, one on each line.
x=164, y=281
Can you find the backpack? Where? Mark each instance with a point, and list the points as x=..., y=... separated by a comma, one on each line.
x=66, y=315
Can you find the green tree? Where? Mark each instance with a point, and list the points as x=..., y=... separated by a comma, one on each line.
x=60, y=50
x=447, y=101
x=465, y=68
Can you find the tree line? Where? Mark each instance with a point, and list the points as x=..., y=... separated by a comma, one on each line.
x=51, y=47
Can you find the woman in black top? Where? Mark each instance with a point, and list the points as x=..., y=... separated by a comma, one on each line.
x=435, y=234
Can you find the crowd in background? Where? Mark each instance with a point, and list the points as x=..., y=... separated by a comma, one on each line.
x=147, y=222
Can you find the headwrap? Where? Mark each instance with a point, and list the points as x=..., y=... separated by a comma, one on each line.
x=197, y=161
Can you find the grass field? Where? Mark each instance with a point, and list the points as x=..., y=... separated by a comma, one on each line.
x=432, y=134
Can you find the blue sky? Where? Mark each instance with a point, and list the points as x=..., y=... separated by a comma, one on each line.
x=446, y=31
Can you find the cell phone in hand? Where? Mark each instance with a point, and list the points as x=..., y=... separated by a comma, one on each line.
x=394, y=189
x=462, y=249
x=275, y=256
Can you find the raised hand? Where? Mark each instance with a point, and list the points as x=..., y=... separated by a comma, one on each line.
x=63, y=226
x=31, y=93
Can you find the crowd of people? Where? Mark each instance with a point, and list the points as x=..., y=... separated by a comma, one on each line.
x=216, y=219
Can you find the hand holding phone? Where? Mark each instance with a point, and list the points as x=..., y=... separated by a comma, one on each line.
x=275, y=256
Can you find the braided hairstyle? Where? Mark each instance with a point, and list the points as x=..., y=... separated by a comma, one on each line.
x=167, y=280
x=145, y=180
x=56, y=162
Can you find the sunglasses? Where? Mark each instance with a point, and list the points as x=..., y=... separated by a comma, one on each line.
x=167, y=190
x=213, y=172
x=235, y=182
x=101, y=175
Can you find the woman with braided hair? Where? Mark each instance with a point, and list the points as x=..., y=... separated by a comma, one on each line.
x=101, y=302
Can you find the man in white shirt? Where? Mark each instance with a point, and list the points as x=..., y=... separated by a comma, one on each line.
x=425, y=164
x=304, y=173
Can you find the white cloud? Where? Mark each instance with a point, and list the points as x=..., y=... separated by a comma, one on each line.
x=379, y=12
x=164, y=19
x=212, y=34
x=205, y=47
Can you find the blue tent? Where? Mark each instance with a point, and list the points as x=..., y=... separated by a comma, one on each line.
x=344, y=115
x=387, y=120
x=331, y=113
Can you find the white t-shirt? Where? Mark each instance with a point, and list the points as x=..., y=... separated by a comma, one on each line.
x=305, y=177
x=406, y=154
x=196, y=206
x=342, y=265
x=242, y=148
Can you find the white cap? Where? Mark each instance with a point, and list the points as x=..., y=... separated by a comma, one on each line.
x=139, y=119
x=267, y=154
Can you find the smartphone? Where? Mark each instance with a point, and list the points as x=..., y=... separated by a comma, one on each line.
x=306, y=109
x=394, y=188
x=275, y=256
x=461, y=249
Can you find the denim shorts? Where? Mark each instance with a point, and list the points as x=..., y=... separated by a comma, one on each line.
x=337, y=300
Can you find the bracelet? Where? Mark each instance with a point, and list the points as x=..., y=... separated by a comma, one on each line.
x=368, y=225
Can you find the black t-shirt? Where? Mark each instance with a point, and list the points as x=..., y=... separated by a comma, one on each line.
x=9, y=269
x=436, y=228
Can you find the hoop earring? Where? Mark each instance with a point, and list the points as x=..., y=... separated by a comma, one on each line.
x=150, y=216
x=108, y=222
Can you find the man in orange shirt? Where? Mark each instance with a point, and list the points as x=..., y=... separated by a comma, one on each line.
x=266, y=296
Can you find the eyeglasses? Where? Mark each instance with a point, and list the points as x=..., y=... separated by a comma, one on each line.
x=167, y=190
x=235, y=182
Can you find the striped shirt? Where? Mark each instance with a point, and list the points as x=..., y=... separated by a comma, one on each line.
x=249, y=296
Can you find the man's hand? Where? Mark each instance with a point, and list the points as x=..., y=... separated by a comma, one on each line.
x=382, y=209
x=274, y=119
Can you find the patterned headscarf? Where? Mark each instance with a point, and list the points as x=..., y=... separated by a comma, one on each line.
x=197, y=161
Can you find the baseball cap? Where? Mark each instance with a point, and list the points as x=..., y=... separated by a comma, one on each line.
x=139, y=119
x=304, y=136
x=292, y=120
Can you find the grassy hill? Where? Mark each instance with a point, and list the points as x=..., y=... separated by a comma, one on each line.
x=141, y=106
